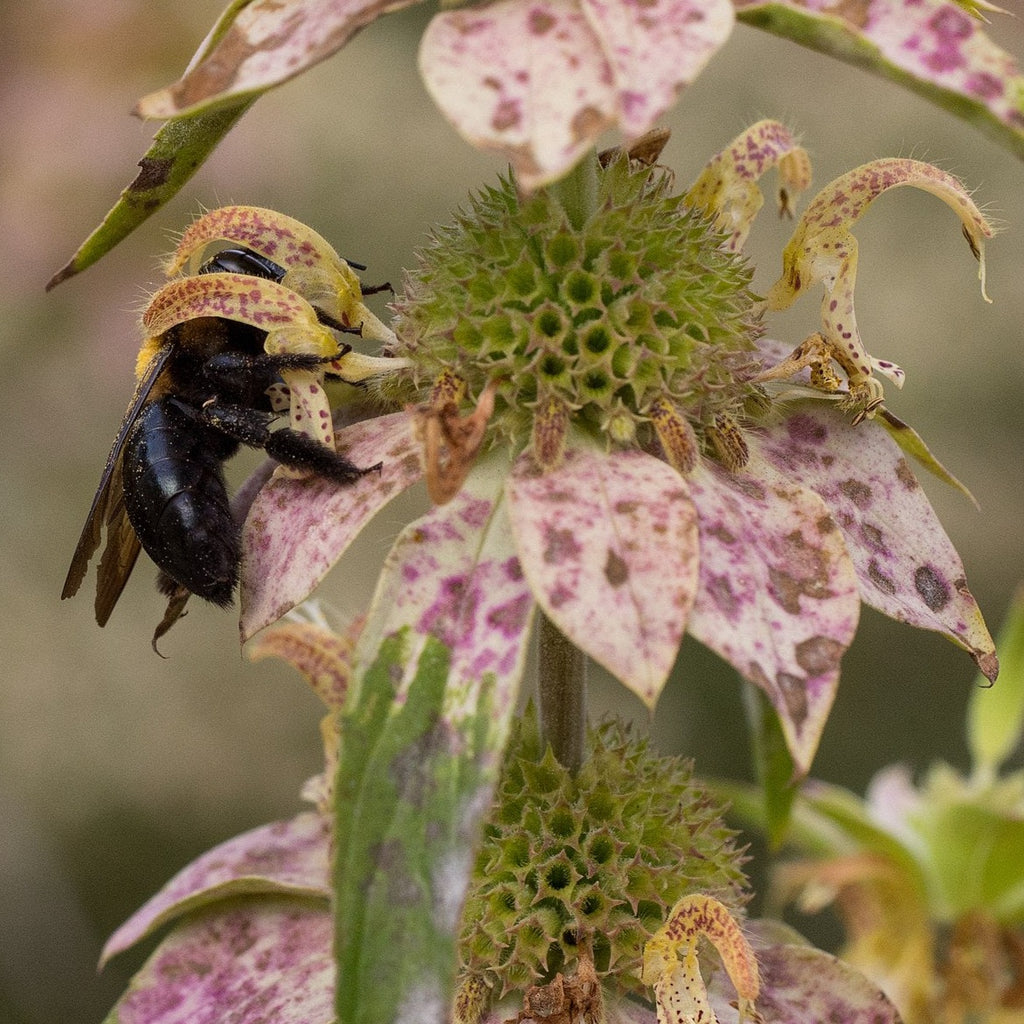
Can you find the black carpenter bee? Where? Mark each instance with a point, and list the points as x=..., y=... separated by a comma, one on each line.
x=202, y=394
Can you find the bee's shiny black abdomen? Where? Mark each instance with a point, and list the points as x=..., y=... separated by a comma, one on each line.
x=176, y=500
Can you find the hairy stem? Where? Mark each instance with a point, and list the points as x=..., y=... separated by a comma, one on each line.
x=562, y=694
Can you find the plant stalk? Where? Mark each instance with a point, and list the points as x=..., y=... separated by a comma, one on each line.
x=562, y=695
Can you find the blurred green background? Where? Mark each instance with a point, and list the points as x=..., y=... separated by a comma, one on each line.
x=117, y=767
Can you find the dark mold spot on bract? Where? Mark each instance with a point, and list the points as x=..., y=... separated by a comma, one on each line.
x=857, y=491
x=818, y=655
x=905, y=475
x=806, y=429
x=794, y=693
x=616, y=572
x=879, y=578
x=934, y=590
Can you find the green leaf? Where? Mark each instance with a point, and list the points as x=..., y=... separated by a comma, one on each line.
x=853, y=818
x=179, y=149
x=911, y=442
x=974, y=79
x=996, y=713
x=773, y=764
x=974, y=859
x=405, y=782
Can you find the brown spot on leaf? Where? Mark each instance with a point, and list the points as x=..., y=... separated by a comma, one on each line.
x=856, y=491
x=560, y=546
x=588, y=123
x=932, y=588
x=818, y=655
x=719, y=589
x=825, y=524
x=507, y=114
x=872, y=537
x=748, y=486
x=793, y=690
x=616, y=572
x=905, y=475
x=539, y=22
x=153, y=173
x=721, y=533
x=853, y=11
x=806, y=428
x=802, y=571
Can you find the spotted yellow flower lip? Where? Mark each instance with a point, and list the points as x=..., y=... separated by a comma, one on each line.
x=678, y=986
x=313, y=267
x=823, y=251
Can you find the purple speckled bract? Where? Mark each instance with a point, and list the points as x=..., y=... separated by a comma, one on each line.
x=609, y=545
x=803, y=985
x=778, y=596
x=286, y=856
x=491, y=70
x=297, y=529
x=251, y=964
x=935, y=41
x=263, y=47
x=906, y=565
x=454, y=575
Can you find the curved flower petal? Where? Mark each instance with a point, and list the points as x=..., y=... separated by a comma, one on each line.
x=285, y=857
x=264, y=44
x=727, y=188
x=823, y=250
x=297, y=529
x=250, y=964
x=778, y=595
x=933, y=47
x=609, y=545
x=906, y=564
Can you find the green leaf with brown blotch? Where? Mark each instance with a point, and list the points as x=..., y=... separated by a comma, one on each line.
x=179, y=149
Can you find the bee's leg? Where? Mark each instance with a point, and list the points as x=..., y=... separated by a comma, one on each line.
x=289, y=447
x=240, y=373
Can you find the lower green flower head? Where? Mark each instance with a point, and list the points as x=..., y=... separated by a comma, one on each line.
x=639, y=310
x=593, y=861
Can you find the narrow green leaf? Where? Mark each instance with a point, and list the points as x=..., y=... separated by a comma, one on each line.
x=774, y=766
x=405, y=835
x=178, y=151
x=976, y=80
x=996, y=713
x=911, y=442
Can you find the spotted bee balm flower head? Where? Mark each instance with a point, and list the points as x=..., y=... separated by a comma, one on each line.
x=608, y=436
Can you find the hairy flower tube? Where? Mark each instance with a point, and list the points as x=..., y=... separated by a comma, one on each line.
x=612, y=439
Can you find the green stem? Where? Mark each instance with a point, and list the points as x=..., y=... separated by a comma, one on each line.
x=562, y=694
x=577, y=191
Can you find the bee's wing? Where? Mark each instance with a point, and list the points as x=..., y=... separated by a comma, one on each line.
x=108, y=511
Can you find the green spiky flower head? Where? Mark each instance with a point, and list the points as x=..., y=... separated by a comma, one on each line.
x=633, y=319
x=596, y=859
